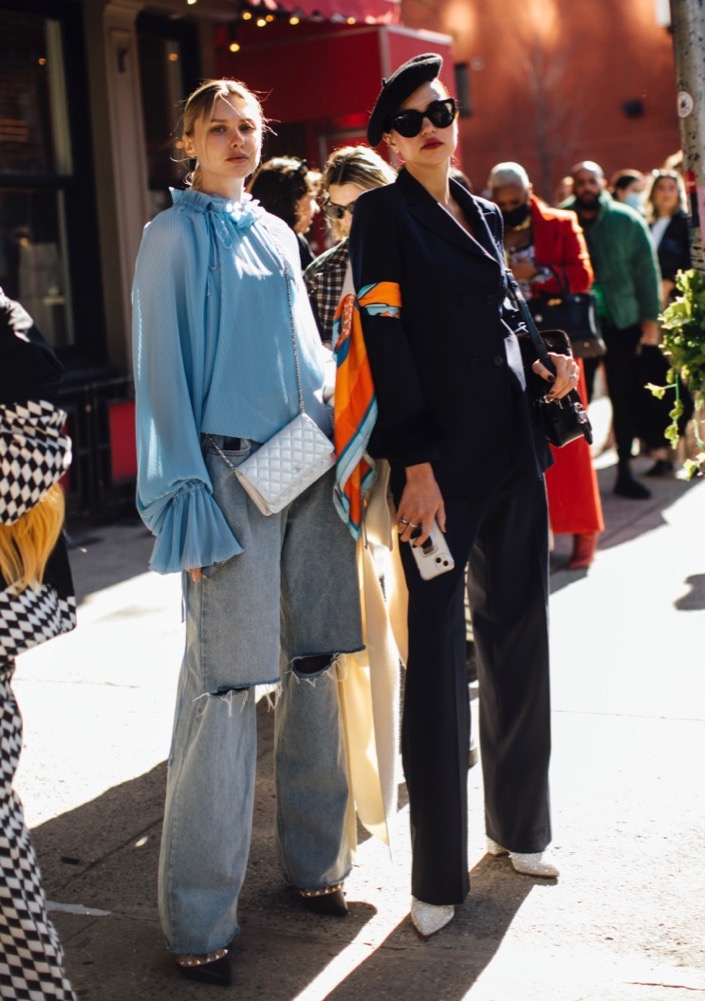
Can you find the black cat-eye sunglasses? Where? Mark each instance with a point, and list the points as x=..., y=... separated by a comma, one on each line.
x=409, y=123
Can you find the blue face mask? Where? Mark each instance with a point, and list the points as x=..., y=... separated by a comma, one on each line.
x=633, y=199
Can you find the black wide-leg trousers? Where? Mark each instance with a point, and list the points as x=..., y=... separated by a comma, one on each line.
x=504, y=535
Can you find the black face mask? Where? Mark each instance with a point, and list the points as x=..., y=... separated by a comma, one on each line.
x=515, y=217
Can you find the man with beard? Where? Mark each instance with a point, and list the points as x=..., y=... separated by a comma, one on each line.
x=626, y=288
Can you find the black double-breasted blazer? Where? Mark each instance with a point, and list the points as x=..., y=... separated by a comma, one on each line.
x=448, y=371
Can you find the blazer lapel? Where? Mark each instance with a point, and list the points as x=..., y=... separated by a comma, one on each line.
x=477, y=216
x=429, y=213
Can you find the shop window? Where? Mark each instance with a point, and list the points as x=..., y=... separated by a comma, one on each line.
x=32, y=256
x=35, y=169
x=168, y=72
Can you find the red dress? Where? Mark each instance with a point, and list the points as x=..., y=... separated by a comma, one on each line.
x=574, y=504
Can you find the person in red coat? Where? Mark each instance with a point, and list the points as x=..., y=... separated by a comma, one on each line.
x=545, y=246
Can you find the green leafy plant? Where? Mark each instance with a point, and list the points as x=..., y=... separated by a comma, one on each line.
x=683, y=323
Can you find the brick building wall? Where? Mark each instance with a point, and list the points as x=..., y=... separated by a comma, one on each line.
x=556, y=81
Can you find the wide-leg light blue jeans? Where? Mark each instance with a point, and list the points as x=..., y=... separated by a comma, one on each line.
x=291, y=594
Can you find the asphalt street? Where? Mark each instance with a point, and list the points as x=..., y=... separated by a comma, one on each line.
x=626, y=920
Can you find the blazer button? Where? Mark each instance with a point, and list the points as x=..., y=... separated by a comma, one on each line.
x=498, y=360
x=467, y=301
x=491, y=300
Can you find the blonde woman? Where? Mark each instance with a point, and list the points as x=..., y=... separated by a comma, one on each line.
x=36, y=603
x=220, y=317
x=348, y=172
x=669, y=224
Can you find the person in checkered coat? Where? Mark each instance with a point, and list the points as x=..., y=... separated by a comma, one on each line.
x=36, y=603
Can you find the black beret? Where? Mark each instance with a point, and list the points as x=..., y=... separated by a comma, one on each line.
x=395, y=90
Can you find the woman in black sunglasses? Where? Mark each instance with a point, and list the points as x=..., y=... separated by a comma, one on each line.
x=454, y=421
x=348, y=172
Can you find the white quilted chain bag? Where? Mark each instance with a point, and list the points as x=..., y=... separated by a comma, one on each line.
x=298, y=455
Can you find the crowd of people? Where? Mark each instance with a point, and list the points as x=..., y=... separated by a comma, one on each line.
x=239, y=328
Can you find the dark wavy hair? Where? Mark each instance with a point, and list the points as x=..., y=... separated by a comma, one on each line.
x=279, y=183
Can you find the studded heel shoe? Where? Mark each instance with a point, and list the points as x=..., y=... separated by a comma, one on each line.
x=328, y=902
x=206, y=968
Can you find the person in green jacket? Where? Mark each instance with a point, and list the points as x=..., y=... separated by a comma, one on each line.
x=627, y=289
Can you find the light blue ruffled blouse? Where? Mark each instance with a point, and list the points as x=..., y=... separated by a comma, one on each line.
x=213, y=353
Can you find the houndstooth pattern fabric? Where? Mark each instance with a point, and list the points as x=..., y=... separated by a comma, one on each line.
x=31, y=618
x=31, y=958
x=34, y=454
x=324, y=279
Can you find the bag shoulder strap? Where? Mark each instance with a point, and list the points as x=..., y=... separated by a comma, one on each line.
x=520, y=303
x=561, y=280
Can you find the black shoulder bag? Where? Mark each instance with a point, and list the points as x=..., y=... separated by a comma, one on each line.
x=573, y=312
x=564, y=420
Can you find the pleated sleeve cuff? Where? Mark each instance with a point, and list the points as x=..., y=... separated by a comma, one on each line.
x=192, y=532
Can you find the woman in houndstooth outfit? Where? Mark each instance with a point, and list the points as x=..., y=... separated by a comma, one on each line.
x=36, y=603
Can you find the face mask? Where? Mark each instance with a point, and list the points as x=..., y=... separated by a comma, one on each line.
x=515, y=217
x=633, y=199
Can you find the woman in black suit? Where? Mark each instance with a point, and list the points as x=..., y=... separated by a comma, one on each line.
x=454, y=422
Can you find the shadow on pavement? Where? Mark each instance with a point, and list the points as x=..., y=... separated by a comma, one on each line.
x=105, y=554
x=694, y=600
x=626, y=519
x=447, y=965
x=102, y=857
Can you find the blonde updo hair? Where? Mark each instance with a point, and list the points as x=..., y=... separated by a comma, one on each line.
x=358, y=165
x=27, y=544
x=200, y=104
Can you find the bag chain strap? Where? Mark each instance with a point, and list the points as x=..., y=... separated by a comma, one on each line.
x=297, y=365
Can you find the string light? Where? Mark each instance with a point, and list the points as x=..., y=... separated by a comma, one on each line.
x=294, y=19
x=234, y=47
x=261, y=22
x=351, y=20
x=247, y=15
x=269, y=18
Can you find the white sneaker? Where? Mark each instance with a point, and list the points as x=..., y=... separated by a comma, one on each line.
x=529, y=863
x=430, y=918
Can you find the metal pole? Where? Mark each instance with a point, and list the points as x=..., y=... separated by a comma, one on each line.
x=688, y=20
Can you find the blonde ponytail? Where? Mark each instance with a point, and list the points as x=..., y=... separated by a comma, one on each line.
x=26, y=545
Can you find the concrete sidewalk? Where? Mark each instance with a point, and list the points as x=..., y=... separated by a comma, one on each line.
x=625, y=921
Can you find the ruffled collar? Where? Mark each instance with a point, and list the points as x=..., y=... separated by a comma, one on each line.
x=238, y=214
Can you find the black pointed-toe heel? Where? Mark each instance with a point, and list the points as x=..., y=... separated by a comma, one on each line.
x=211, y=968
x=328, y=903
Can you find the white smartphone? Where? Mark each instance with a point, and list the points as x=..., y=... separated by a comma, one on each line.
x=433, y=557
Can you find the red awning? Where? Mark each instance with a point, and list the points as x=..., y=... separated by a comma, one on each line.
x=340, y=11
